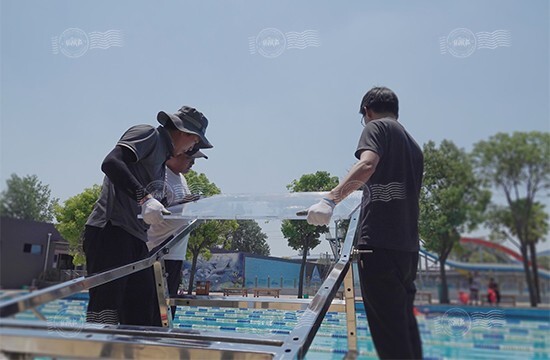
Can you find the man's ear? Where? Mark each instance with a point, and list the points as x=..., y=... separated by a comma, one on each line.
x=368, y=112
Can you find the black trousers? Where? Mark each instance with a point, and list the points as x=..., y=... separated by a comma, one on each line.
x=173, y=268
x=130, y=300
x=387, y=284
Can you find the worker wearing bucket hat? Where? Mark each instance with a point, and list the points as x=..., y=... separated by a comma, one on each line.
x=187, y=120
x=134, y=184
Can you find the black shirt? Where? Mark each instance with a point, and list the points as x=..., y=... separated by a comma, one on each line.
x=389, y=210
x=151, y=147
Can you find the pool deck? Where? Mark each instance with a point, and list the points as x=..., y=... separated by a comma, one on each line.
x=519, y=304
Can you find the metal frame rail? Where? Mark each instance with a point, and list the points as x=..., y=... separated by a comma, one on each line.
x=45, y=338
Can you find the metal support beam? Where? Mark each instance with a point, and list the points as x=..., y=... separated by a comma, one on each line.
x=39, y=297
x=162, y=293
x=93, y=341
x=108, y=341
x=351, y=321
x=299, y=340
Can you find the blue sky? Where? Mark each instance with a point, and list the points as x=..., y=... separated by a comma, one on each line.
x=275, y=112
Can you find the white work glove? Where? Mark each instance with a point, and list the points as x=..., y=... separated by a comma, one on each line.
x=152, y=211
x=320, y=213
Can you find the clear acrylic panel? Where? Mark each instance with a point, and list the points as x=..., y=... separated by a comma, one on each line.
x=262, y=206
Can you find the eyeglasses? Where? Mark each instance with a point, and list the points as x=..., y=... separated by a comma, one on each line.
x=184, y=156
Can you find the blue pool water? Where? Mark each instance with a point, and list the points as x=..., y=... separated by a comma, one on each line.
x=447, y=332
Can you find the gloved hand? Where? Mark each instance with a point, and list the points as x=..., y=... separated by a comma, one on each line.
x=152, y=211
x=320, y=213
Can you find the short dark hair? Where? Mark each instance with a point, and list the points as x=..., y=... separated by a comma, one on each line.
x=380, y=99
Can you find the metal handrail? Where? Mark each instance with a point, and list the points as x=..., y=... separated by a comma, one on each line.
x=299, y=340
x=295, y=345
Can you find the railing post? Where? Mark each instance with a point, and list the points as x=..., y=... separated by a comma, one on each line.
x=163, y=295
x=351, y=320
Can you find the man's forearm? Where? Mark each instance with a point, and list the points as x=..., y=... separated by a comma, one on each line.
x=114, y=166
x=359, y=174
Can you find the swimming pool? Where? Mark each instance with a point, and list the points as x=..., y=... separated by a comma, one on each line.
x=447, y=332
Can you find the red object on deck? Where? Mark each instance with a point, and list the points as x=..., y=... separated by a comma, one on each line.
x=492, y=296
x=463, y=297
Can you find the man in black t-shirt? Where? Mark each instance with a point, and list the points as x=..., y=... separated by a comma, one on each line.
x=389, y=170
x=114, y=236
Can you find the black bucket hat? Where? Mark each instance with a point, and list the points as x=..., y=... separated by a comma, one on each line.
x=188, y=120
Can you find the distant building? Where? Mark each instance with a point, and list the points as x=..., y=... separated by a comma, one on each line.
x=238, y=269
x=27, y=249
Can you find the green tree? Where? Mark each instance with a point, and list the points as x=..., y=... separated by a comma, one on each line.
x=199, y=184
x=210, y=234
x=452, y=201
x=206, y=236
x=248, y=237
x=517, y=165
x=27, y=198
x=538, y=229
x=300, y=235
x=502, y=226
x=544, y=262
x=72, y=217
